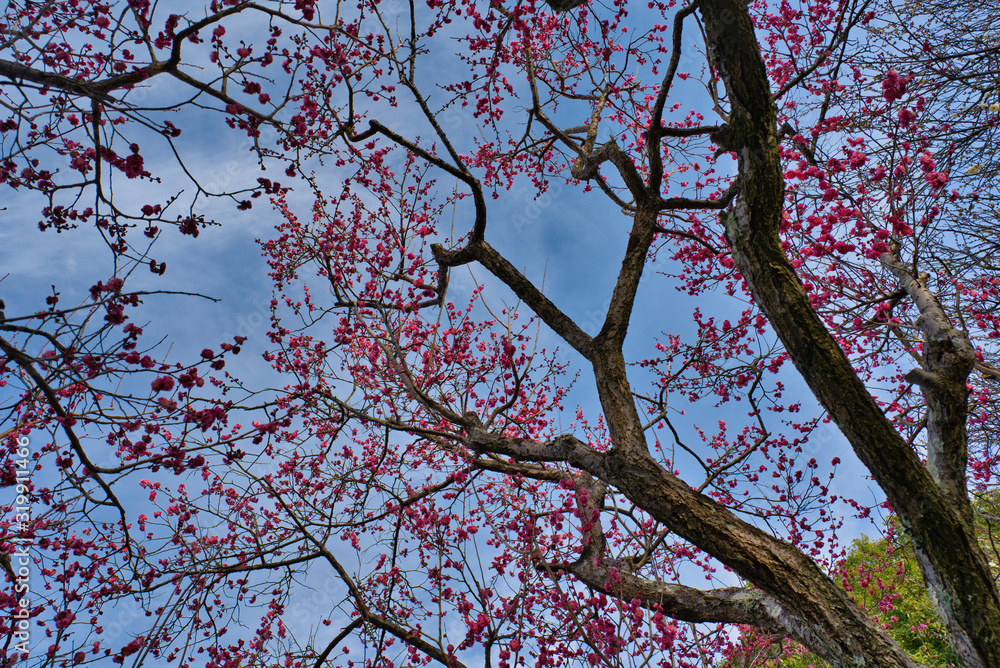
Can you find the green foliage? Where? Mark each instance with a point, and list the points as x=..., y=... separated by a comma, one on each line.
x=884, y=578
x=987, y=508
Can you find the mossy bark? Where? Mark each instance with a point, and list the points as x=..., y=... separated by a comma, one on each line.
x=953, y=563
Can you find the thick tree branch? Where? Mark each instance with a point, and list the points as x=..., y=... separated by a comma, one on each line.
x=563, y=448
x=17, y=72
x=586, y=167
x=675, y=203
x=99, y=90
x=948, y=359
x=603, y=572
x=729, y=605
x=815, y=609
x=644, y=227
x=458, y=171
x=500, y=267
x=656, y=132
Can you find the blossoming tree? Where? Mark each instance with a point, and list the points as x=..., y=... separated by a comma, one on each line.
x=767, y=159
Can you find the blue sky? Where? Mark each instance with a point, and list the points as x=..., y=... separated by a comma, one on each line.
x=573, y=240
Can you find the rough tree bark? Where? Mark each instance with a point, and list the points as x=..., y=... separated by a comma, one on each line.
x=794, y=597
x=932, y=504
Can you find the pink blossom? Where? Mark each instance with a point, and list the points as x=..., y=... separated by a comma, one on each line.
x=163, y=384
x=937, y=180
x=893, y=86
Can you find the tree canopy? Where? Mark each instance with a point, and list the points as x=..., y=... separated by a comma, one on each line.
x=799, y=202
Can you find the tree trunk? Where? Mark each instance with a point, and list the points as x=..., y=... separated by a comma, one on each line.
x=953, y=563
